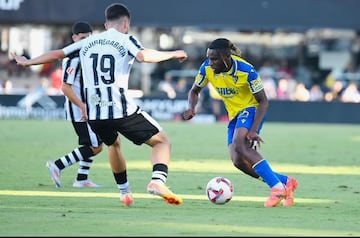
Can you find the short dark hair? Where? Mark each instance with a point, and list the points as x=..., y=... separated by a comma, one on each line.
x=116, y=11
x=81, y=27
x=220, y=43
x=224, y=45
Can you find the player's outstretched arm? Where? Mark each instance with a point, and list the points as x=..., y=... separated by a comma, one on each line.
x=47, y=57
x=155, y=56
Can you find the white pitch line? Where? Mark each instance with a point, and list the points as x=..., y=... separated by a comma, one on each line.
x=143, y=195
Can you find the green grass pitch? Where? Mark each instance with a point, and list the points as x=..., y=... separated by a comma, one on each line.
x=324, y=158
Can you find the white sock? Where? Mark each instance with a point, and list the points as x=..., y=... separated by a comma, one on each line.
x=124, y=188
x=279, y=185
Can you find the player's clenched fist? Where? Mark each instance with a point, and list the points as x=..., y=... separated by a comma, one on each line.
x=188, y=114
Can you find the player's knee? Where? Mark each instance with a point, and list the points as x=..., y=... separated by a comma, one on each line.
x=166, y=139
x=240, y=150
x=239, y=162
x=159, y=138
x=97, y=150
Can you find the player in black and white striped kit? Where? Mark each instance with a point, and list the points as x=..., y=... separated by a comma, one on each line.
x=106, y=60
x=75, y=112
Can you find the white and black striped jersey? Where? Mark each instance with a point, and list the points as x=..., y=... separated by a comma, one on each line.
x=72, y=75
x=106, y=60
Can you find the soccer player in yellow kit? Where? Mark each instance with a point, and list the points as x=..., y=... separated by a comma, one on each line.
x=242, y=92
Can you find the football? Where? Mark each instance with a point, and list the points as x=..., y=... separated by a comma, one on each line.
x=219, y=190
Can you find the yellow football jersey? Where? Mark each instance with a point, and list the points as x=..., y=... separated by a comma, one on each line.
x=236, y=87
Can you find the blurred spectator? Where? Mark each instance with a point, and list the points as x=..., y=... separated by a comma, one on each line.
x=267, y=69
x=335, y=92
x=316, y=93
x=284, y=70
x=286, y=88
x=349, y=73
x=3, y=60
x=181, y=87
x=269, y=86
x=332, y=77
x=301, y=93
x=282, y=90
x=351, y=93
x=303, y=75
x=168, y=86
x=6, y=86
x=56, y=81
x=45, y=70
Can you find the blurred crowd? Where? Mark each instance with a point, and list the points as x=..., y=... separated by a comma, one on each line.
x=281, y=81
x=285, y=83
x=15, y=79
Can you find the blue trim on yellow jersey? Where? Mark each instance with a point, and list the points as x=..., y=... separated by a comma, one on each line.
x=202, y=71
x=236, y=87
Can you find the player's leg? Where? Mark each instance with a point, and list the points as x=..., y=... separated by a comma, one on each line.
x=107, y=131
x=239, y=145
x=160, y=158
x=118, y=166
x=86, y=138
x=240, y=162
x=56, y=167
x=78, y=154
x=142, y=128
x=243, y=165
x=291, y=183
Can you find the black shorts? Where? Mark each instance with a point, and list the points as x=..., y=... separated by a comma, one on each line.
x=138, y=128
x=86, y=136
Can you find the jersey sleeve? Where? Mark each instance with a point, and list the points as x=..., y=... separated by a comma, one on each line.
x=201, y=79
x=70, y=67
x=72, y=48
x=134, y=46
x=255, y=81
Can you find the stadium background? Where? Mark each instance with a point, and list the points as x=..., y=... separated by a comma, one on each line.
x=322, y=34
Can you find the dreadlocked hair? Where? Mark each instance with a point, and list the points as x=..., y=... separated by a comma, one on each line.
x=223, y=44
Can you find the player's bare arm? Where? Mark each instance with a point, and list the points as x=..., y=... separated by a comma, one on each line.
x=155, y=56
x=259, y=116
x=47, y=57
x=193, y=98
x=71, y=95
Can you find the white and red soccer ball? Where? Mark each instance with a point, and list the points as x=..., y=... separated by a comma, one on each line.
x=219, y=190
